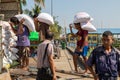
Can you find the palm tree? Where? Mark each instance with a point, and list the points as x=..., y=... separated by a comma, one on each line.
x=56, y=29
x=35, y=11
x=42, y=2
x=24, y=2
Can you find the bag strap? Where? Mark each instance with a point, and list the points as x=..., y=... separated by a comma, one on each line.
x=45, y=52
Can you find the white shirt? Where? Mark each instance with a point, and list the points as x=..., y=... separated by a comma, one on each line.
x=41, y=51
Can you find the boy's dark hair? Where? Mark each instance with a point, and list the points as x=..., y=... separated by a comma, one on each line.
x=49, y=35
x=107, y=33
x=14, y=20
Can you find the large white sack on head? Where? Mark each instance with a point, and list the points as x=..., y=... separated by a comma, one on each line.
x=14, y=50
x=88, y=26
x=45, y=18
x=82, y=17
x=28, y=21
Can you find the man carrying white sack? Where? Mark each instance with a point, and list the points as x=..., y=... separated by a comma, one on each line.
x=23, y=41
x=42, y=24
x=83, y=25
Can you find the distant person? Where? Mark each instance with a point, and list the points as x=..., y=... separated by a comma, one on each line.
x=82, y=44
x=106, y=59
x=23, y=42
x=46, y=64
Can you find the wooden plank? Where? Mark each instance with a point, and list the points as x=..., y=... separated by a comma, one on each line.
x=5, y=76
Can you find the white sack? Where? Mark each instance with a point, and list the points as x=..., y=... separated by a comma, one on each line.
x=5, y=25
x=82, y=17
x=13, y=44
x=15, y=38
x=4, y=47
x=28, y=21
x=12, y=33
x=88, y=26
x=5, y=31
x=45, y=18
x=13, y=56
x=14, y=50
x=4, y=41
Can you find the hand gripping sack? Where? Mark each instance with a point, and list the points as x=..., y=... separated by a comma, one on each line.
x=28, y=21
x=45, y=18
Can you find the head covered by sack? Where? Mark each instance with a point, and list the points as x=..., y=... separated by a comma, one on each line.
x=85, y=20
x=45, y=18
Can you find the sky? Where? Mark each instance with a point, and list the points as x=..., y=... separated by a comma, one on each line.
x=106, y=13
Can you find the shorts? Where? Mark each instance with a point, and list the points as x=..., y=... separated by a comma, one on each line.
x=21, y=52
x=83, y=53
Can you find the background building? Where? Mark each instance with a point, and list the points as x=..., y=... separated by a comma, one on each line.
x=9, y=8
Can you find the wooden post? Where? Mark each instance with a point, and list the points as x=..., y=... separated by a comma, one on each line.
x=1, y=51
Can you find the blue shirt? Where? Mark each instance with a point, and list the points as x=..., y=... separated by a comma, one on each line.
x=105, y=63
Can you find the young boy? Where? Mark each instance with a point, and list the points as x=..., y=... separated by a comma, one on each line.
x=106, y=59
x=82, y=44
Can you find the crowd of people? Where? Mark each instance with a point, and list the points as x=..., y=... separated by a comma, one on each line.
x=105, y=58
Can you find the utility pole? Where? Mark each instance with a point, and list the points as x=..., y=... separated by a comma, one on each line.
x=52, y=8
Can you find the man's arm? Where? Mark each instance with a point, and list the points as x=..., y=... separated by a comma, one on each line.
x=92, y=72
x=90, y=62
x=73, y=35
x=21, y=26
x=52, y=66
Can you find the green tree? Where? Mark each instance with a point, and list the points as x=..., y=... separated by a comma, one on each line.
x=34, y=11
x=42, y=2
x=37, y=2
x=56, y=29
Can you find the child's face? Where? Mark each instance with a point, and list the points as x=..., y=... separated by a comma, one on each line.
x=107, y=41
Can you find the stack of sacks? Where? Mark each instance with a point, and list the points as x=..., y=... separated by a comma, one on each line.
x=45, y=18
x=85, y=20
x=8, y=44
